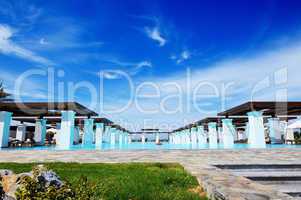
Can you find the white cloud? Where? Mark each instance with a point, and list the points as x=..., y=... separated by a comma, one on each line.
x=155, y=34
x=9, y=47
x=243, y=75
x=144, y=64
x=132, y=68
x=110, y=75
x=139, y=67
x=43, y=41
x=185, y=55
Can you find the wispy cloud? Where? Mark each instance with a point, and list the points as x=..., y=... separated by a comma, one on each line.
x=9, y=47
x=132, y=69
x=155, y=34
x=110, y=75
x=185, y=55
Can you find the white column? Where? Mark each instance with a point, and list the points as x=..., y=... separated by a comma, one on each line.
x=21, y=132
x=188, y=141
x=119, y=137
x=113, y=138
x=256, y=137
x=228, y=133
x=193, y=135
x=5, y=120
x=170, y=138
x=40, y=131
x=117, y=133
x=124, y=137
x=275, y=130
x=129, y=138
x=182, y=137
x=142, y=138
x=88, y=136
x=76, y=135
x=99, y=134
x=202, y=139
x=157, y=138
x=212, y=134
x=66, y=133
x=107, y=134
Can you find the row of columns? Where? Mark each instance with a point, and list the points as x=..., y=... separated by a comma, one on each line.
x=157, y=138
x=226, y=134
x=68, y=133
x=102, y=133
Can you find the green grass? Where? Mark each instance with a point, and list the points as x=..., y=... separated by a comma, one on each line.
x=126, y=181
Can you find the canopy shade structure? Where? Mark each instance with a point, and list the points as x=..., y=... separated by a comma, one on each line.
x=269, y=108
x=57, y=119
x=150, y=129
x=238, y=122
x=142, y=132
x=27, y=109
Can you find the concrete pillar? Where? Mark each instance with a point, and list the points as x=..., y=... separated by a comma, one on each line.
x=107, y=135
x=212, y=134
x=256, y=136
x=76, y=135
x=170, y=138
x=113, y=134
x=5, y=120
x=183, y=137
x=202, y=139
x=118, y=137
x=129, y=138
x=99, y=134
x=88, y=136
x=193, y=135
x=21, y=132
x=142, y=138
x=117, y=133
x=275, y=130
x=157, y=138
x=40, y=132
x=228, y=133
x=124, y=137
x=66, y=133
x=188, y=136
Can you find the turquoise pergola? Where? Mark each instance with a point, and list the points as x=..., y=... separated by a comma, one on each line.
x=68, y=117
x=243, y=122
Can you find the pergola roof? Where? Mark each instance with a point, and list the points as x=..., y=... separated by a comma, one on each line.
x=27, y=109
x=269, y=108
x=54, y=120
x=148, y=132
x=281, y=109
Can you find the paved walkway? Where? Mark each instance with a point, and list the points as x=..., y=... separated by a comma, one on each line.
x=219, y=184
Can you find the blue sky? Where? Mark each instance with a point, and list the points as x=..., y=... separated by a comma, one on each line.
x=234, y=43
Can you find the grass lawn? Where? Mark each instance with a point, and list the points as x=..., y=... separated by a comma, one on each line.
x=126, y=181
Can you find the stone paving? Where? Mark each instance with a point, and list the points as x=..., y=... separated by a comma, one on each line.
x=219, y=184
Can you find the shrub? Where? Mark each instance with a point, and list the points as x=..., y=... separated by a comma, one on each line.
x=35, y=187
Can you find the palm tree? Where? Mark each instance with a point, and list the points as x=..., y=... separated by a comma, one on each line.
x=3, y=94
